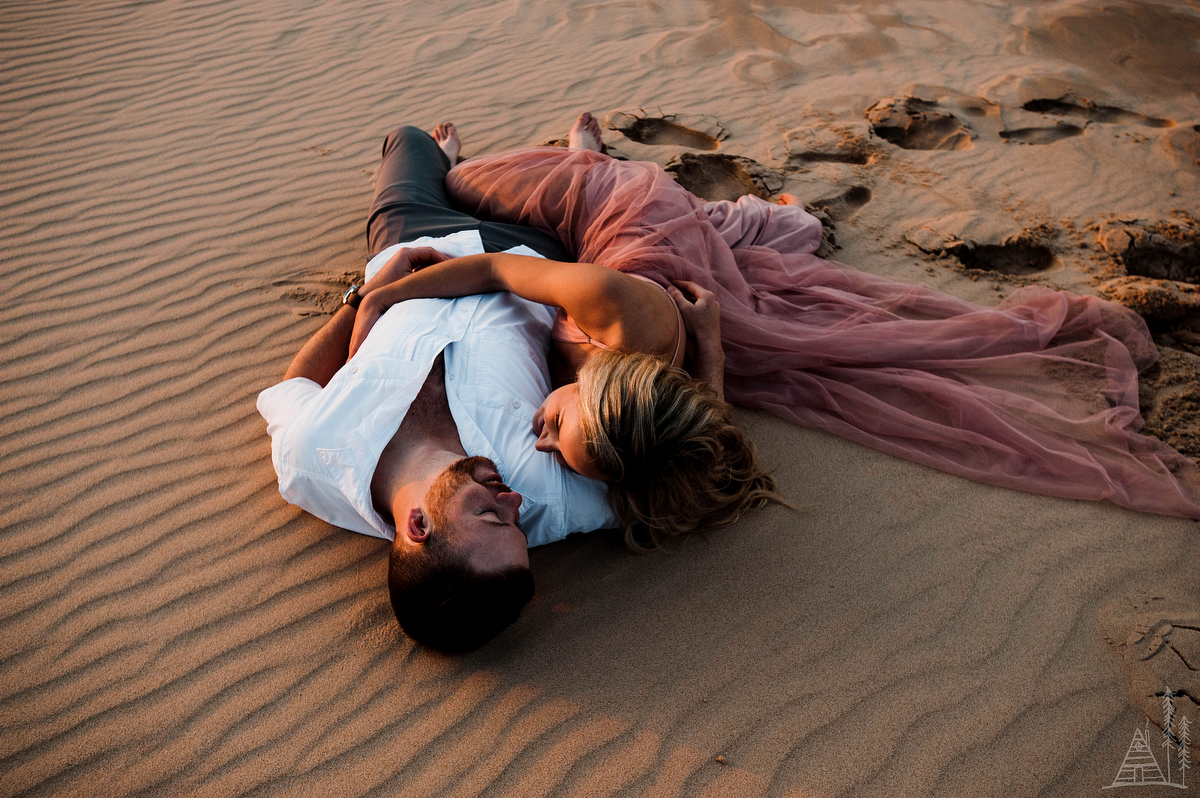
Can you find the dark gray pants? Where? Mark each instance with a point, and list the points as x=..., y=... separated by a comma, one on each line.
x=410, y=202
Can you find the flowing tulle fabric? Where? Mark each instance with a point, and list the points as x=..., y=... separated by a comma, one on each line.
x=1039, y=394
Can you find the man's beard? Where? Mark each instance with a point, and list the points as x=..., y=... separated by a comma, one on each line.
x=448, y=483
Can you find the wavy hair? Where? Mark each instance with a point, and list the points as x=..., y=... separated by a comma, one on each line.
x=677, y=462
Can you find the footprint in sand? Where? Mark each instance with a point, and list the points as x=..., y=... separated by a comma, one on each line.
x=916, y=124
x=1014, y=255
x=1162, y=259
x=1162, y=264
x=1160, y=250
x=1161, y=300
x=1169, y=395
x=977, y=242
x=843, y=156
x=723, y=177
x=1184, y=146
x=830, y=143
x=922, y=124
x=1069, y=105
x=844, y=204
x=1042, y=135
x=695, y=131
x=1156, y=640
x=315, y=295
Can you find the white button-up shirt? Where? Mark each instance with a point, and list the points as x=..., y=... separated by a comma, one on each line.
x=326, y=442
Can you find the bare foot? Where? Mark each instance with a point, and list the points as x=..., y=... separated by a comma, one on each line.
x=585, y=134
x=446, y=135
x=788, y=199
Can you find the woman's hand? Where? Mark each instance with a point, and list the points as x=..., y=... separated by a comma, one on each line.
x=702, y=318
x=369, y=311
x=374, y=294
x=700, y=310
x=406, y=261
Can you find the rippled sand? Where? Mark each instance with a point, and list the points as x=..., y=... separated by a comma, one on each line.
x=185, y=186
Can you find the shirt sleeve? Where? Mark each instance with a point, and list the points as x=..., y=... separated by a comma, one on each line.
x=280, y=404
x=311, y=478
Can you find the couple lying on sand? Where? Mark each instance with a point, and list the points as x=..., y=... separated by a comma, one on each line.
x=546, y=338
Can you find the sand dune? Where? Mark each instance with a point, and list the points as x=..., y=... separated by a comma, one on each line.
x=184, y=188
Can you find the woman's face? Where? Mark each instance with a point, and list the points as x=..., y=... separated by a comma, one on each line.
x=556, y=424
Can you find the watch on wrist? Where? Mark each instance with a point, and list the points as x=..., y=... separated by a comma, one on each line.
x=352, y=297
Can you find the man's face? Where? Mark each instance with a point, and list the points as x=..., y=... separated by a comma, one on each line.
x=469, y=496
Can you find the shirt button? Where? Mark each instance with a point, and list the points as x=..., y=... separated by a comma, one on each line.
x=354, y=369
x=516, y=403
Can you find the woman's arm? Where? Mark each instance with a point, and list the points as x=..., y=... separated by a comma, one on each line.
x=327, y=351
x=610, y=306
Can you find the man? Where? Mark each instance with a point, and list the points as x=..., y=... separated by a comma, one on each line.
x=417, y=438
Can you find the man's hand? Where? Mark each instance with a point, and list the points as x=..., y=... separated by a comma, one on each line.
x=406, y=261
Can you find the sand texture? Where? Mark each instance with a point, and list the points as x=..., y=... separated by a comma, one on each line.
x=184, y=190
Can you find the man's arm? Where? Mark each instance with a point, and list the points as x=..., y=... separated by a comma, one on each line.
x=321, y=357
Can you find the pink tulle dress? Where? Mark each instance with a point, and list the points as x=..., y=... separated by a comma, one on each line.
x=1039, y=394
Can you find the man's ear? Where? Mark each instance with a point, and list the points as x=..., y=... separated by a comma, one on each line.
x=417, y=526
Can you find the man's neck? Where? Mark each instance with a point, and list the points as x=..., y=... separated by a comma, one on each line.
x=426, y=442
x=417, y=463
x=405, y=488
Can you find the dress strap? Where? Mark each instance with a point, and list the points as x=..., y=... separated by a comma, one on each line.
x=567, y=330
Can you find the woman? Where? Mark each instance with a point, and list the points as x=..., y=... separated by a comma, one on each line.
x=623, y=410
x=1039, y=394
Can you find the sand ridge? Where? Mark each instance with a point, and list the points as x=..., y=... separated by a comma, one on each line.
x=185, y=188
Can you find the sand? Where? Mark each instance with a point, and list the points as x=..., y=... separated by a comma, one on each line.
x=184, y=189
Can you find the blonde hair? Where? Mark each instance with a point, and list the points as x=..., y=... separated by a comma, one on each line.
x=676, y=461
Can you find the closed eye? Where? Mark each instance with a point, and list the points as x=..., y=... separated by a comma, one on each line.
x=492, y=518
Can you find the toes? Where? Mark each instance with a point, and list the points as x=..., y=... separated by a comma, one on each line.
x=589, y=124
x=585, y=133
